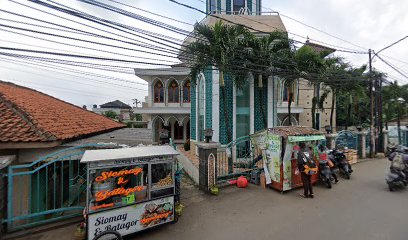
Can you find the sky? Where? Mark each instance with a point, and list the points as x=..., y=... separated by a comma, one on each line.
x=346, y=24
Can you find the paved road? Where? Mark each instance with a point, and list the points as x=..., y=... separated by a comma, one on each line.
x=360, y=208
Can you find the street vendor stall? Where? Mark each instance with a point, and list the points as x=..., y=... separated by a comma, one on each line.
x=279, y=146
x=129, y=189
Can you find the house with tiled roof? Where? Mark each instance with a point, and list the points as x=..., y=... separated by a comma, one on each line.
x=122, y=110
x=33, y=124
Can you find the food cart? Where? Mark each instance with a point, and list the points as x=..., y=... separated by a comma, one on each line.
x=129, y=189
x=278, y=151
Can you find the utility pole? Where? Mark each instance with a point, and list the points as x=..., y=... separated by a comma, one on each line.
x=372, y=130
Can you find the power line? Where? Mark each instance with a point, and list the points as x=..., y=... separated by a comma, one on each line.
x=90, y=48
x=251, y=28
x=155, y=14
x=392, y=44
x=393, y=67
x=49, y=69
x=78, y=39
x=122, y=67
x=66, y=80
x=349, y=50
x=319, y=30
x=137, y=30
x=82, y=56
x=77, y=31
x=93, y=27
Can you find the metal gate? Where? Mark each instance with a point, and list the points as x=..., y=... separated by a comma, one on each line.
x=49, y=189
x=237, y=158
x=348, y=139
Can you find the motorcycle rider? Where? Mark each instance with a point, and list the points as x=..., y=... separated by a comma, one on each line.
x=324, y=156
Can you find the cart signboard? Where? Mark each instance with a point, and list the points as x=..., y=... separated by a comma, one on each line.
x=129, y=189
x=134, y=218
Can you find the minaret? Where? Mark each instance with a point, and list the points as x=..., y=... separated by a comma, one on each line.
x=248, y=7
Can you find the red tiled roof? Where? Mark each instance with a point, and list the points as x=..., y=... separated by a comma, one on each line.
x=27, y=115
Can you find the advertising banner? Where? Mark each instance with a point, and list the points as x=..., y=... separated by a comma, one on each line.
x=287, y=167
x=131, y=219
x=273, y=153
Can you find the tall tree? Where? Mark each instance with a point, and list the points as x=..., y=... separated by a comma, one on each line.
x=260, y=54
x=395, y=102
x=217, y=46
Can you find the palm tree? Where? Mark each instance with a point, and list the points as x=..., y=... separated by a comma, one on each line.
x=217, y=46
x=261, y=52
x=344, y=79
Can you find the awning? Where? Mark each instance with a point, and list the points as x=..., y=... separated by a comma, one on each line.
x=306, y=138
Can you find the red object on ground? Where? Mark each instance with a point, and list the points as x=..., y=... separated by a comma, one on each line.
x=232, y=182
x=242, y=182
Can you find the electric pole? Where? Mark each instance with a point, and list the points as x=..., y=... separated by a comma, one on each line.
x=372, y=130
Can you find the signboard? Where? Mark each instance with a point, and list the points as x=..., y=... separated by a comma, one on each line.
x=131, y=219
x=287, y=167
x=117, y=186
x=273, y=153
x=306, y=138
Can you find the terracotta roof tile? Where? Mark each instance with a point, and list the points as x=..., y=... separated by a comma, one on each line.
x=27, y=115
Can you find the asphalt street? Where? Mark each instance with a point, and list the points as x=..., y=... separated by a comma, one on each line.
x=360, y=208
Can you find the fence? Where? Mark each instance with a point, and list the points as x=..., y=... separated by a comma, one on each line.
x=237, y=158
x=49, y=189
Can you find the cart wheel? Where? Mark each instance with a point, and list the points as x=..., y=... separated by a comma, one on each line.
x=108, y=235
x=176, y=218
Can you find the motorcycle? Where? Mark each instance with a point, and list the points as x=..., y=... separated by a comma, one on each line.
x=340, y=161
x=396, y=179
x=325, y=173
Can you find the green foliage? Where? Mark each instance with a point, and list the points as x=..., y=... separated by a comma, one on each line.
x=395, y=101
x=111, y=114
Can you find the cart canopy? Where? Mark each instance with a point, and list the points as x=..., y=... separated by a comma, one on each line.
x=294, y=133
x=126, y=153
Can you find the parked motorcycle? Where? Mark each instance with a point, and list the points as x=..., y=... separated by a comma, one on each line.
x=340, y=161
x=325, y=174
x=396, y=179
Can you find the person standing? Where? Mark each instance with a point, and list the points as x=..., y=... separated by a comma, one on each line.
x=302, y=161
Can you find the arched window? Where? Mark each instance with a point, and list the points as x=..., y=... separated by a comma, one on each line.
x=158, y=92
x=186, y=92
x=173, y=92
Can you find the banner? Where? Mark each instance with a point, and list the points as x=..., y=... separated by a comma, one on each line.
x=287, y=167
x=273, y=153
x=131, y=219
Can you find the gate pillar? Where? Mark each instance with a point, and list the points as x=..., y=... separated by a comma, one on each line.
x=331, y=140
x=385, y=139
x=362, y=151
x=207, y=154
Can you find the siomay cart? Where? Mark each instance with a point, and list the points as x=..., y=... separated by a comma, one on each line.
x=129, y=189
